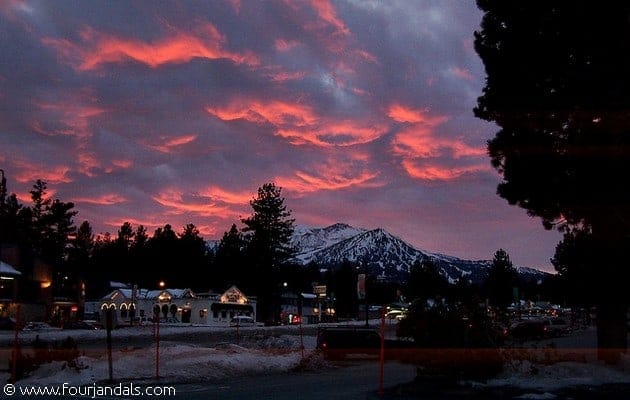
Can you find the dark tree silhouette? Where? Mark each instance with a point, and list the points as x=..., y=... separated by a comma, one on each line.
x=575, y=259
x=193, y=259
x=425, y=281
x=502, y=278
x=230, y=260
x=557, y=87
x=268, y=232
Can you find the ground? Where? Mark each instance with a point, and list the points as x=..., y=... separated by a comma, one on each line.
x=187, y=354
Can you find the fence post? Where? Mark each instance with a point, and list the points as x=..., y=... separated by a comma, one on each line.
x=16, y=344
x=382, y=358
x=157, y=345
x=109, y=322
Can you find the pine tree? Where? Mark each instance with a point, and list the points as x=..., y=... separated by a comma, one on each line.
x=502, y=279
x=230, y=260
x=268, y=233
x=557, y=87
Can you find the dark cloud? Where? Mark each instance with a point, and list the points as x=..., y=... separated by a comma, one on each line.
x=175, y=112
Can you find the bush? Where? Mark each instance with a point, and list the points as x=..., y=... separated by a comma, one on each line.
x=452, y=341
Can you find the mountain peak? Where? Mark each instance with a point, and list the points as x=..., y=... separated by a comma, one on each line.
x=383, y=253
x=337, y=227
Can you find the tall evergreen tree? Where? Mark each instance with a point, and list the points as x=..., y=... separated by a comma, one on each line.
x=270, y=227
x=163, y=259
x=558, y=89
x=230, y=259
x=268, y=231
x=502, y=279
x=574, y=259
x=425, y=281
x=193, y=259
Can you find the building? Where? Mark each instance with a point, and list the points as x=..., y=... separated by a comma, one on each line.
x=8, y=287
x=177, y=306
x=27, y=284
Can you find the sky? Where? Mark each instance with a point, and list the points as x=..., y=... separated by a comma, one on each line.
x=178, y=111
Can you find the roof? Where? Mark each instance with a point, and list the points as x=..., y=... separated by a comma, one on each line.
x=7, y=270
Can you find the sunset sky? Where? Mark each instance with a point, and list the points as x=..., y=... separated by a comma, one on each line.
x=177, y=111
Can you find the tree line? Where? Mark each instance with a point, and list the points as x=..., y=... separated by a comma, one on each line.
x=257, y=257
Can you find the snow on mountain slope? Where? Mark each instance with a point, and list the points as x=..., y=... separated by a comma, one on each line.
x=310, y=240
x=384, y=255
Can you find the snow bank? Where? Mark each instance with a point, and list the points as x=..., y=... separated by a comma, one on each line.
x=530, y=376
x=178, y=363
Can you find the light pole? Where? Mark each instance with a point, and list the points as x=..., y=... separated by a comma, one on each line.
x=3, y=187
x=367, y=307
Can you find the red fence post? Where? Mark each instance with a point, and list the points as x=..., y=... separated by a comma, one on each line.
x=157, y=346
x=382, y=366
x=16, y=344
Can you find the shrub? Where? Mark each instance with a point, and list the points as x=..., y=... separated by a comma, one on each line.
x=452, y=341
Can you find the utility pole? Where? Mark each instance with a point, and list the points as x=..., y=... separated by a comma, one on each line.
x=3, y=187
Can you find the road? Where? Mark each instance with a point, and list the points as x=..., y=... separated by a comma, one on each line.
x=359, y=380
x=349, y=381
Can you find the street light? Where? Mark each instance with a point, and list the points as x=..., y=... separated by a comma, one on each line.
x=3, y=186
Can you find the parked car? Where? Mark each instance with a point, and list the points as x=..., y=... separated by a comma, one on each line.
x=39, y=326
x=7, y=323
x=79, y=325
x=556, y=326
x=242, y=320
x=95, y=323
x=527, y=329
x=342, y=342
x=395, y=314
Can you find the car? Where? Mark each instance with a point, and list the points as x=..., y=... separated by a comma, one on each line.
x=38, y=326
x=395, y=314
x=7, y=323
x=242, y=320
x=556, y=326
x=527, y=329
x=351, y=341
x=79, y=325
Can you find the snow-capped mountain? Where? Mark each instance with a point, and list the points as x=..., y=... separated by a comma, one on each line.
x=384, y=255
x=312, y=240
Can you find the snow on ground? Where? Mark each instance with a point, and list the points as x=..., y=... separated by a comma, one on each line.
x=526, y=375
x=178, y=363
x=278, y=351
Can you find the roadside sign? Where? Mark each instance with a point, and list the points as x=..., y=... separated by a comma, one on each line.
x=319, y=290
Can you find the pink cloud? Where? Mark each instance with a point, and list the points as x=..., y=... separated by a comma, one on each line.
x=102, y=200
x=52, y=174
x=225, y=196
x=299, y=124
x=284, y=45
x=419, y=144
x=329, y=133
x=122, y=164
x=74, y=116
x=462, y=73
x=337, y=173
x=286, y=76
x=327, y=13
x=434, y=172
x=400, y=113
x=98, y=49
x=170, y=144
x=274, y=112
x=173, y=200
